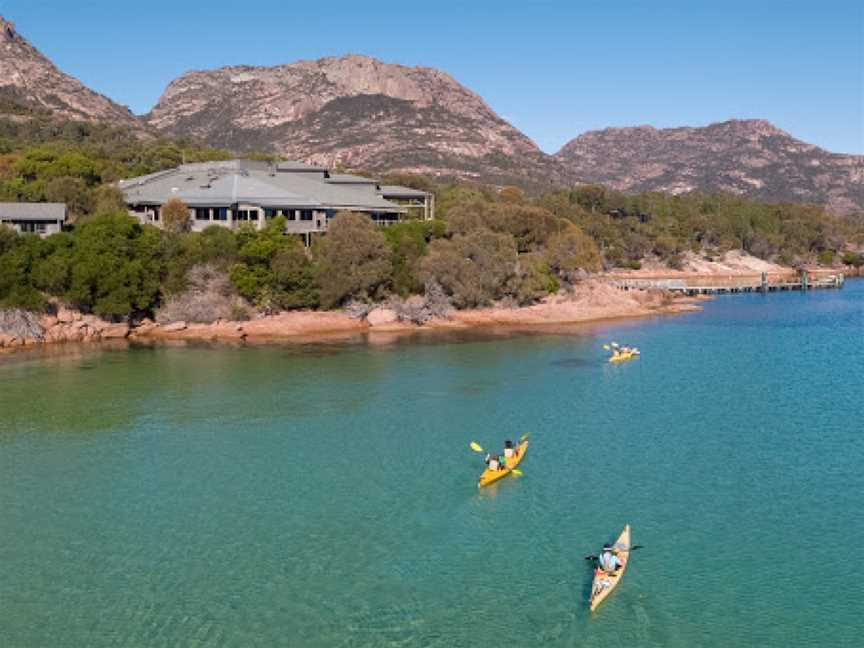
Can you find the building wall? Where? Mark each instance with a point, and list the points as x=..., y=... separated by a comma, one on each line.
x=297, y=221
x=43, y=228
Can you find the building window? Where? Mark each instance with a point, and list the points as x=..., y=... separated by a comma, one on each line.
x=269, y=213
x=247, y=215
x=306, y=215
x=155, y=213
x=202, y=214
x=220, y=213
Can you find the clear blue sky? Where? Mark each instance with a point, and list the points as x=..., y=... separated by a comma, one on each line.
x=552, y=68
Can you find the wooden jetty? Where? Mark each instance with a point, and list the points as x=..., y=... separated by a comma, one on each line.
x=713, y=285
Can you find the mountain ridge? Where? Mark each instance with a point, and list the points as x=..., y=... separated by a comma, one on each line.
x=752, y=157
x=27, y=76
x=356, y=111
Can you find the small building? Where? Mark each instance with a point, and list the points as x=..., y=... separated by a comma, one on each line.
x=235, y=193
x=34, y=218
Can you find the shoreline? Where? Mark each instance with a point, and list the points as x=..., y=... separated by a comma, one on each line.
x=592, y=302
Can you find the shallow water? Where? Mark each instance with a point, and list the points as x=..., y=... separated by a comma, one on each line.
x=325, y=495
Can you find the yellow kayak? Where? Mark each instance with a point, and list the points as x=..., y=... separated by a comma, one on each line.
x=621, y=357
x=491, y=476
x=604, y=583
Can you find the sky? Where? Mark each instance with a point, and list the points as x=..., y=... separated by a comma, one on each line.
x=554, y=68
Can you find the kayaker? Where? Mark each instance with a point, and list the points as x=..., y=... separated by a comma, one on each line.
x=509, y=451
x=608, y=561
x=492, y=462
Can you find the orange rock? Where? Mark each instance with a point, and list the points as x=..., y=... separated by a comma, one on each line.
x=115, y=331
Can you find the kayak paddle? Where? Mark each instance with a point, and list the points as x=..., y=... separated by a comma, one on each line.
x=476, y=447
x=516, y=472
x=524, y=437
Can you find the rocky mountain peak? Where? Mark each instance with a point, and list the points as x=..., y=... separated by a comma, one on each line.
x=28, y=77
x=7, y=29
x=354, y=111
x=745, y=156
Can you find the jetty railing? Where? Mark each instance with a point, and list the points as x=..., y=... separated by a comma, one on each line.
x=718, y=284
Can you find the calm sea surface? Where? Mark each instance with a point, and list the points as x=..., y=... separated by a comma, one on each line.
x=325, y=495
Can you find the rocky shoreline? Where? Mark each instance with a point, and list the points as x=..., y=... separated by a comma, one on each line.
x=592, y=301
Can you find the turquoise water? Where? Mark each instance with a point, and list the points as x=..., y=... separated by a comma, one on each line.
x=325, y=495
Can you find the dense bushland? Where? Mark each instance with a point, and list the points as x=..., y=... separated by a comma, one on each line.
x=487, y=244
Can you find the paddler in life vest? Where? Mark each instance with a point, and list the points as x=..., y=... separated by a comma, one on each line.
x=608, y=561
x=509, y=451
x=492, y=462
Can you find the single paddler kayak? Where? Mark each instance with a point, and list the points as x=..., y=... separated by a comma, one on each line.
x=491, y=476
x=604, y=583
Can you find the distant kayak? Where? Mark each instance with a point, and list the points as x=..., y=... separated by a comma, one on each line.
x=624, y=355
x=604, y=583
x=492, y=476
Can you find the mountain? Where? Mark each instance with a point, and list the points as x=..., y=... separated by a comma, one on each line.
x=750, y=157
x=27, y=78
x=358, y=112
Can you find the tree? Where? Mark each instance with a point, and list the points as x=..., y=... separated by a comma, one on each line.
x=570, y=251
x=175, y=216
x=512, y=194
x=116, y=267
x=294, y=277
x=408, y=243
x=473, y=269
x=353, y=260
x=854, y=259
x=72, y=191
x=108, y=198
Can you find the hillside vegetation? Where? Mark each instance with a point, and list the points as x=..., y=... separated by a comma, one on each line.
x=488, y=245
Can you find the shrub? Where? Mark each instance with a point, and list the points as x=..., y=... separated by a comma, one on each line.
x=534, y=279
x=353, y=260
x=209, y=297
x=854, y=259
x=826, y=257
x=408, y=243
x=473, y=269
x=294, y=278
x=175, y=216
x=676, y=262
x=116, y=267
x=570, y=251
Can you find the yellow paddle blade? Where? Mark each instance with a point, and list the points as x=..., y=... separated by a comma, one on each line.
x=476, y=447
x=606, y=346
x=516, y=472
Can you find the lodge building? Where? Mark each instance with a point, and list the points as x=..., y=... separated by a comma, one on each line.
x=249, y=192
x=43, y=219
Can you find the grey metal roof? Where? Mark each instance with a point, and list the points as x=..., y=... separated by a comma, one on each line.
x=347, y=178
x=33, y=211
x=244, y=181
x=293, y=165
x=395, y=191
